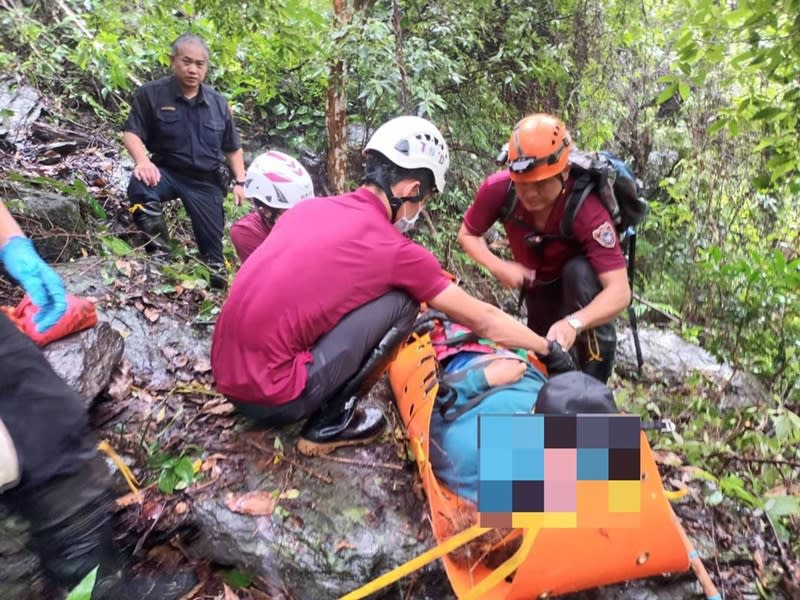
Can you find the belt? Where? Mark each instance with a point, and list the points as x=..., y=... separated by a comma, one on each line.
x=208, y=176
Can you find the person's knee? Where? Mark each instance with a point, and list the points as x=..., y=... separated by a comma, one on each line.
x=580, y=283
x=406, y=309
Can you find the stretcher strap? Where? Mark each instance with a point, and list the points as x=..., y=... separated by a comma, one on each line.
x=418, y=562
x=507, y=568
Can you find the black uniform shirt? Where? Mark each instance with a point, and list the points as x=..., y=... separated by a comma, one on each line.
x=180, y=133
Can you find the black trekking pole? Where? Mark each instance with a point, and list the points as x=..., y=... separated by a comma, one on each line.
x=631, y=312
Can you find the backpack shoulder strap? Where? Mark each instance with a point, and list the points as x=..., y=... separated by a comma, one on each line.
x=509, y=204
x=582, y=188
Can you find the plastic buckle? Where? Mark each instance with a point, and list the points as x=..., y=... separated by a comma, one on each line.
x=667, y=426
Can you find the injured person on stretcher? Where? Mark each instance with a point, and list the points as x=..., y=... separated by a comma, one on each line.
x=478, y=377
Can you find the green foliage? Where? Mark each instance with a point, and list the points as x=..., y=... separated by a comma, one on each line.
x=83, y=591
x=175, y=472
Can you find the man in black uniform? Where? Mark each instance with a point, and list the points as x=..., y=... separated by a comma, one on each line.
x=188, y=130
x=50, y=470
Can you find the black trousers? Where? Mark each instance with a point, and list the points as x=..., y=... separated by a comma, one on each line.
x=575, y=288
x=45, y=418
x=338, y=355
x=202, y=201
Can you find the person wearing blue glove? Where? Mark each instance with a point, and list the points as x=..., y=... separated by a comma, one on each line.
x=50, y=471
x=36, y=277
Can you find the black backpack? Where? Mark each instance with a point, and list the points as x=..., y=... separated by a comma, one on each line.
x=620, y=192
x=610, y=178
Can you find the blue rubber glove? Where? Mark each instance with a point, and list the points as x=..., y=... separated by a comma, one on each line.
x=37, y=278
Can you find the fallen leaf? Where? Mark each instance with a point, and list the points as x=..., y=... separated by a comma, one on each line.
x=181, y=508
x=343, y=545
x=252, y=503
x=123, y=266
x=129, y=499
x=152, y=314
x=229, y=593
x=180, y=361
x=217, y=407
x=121, y=381
x=665, y=457
x=202, y=365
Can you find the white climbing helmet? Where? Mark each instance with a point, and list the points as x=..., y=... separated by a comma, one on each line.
x=277, y=180
x=413, y=143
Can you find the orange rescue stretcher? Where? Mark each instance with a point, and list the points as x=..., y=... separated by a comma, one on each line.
x=549, y=562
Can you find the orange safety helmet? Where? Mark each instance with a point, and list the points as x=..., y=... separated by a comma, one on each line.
x=538, y=148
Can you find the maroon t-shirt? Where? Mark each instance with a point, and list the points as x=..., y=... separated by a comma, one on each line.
x=324, y=258
x=247, y=234
x=593, y=232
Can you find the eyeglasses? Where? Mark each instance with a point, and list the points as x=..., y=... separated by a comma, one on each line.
x=523, y=164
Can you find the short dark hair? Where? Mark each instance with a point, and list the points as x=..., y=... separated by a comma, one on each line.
x=188, y=38
x=380, y=171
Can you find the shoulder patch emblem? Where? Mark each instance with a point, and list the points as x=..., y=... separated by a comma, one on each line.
x=605, y=236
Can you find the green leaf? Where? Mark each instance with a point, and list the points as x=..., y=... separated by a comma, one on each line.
x=167, y=481
x=667, y=93
x=116, y=245
x=782, y=506
x=83, y=591
x=236, y=579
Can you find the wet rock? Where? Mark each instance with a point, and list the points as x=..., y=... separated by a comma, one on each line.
x=19, y=106
x=333, y=537
x=670, y=360
x=52, y=220
x=86, y=360
x=151, y=347
x=19, y=568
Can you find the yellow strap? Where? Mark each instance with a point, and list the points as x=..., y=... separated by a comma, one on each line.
x=508, y=567
x=420, y=561
x=135, y=207
x=593, y=346
x=130, y=478
x=673, y=495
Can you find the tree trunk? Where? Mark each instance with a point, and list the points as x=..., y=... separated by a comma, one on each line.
x=336, y=113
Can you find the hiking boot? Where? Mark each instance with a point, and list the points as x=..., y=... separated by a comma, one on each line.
x=330, y=429
x=150, y=221
x=217, y=276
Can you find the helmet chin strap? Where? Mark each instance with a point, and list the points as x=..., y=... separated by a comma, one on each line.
x=378, y=177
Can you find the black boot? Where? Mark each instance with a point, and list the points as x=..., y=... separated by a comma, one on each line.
x=340, y=421
x=149, y=218
x=217, y=276
x=71, y=532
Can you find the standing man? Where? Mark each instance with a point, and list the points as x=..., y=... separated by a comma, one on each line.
x=575, y=285
x=316, y=313
x=188, y=130
x=50, y=470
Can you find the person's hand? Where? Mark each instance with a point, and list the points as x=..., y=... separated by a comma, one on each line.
x=563, y=333
x=504, y=371
x=147, y=173
x=37, y=278
x=238, y=195
x=513, y=275
x=557, y=360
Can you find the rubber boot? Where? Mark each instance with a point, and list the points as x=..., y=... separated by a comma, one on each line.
x=71, y=532
x=341, y=422
x=149, y=218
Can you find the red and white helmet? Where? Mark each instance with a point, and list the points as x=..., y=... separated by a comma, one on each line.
x=277, y=180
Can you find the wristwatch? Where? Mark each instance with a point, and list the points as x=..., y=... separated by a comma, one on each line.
x=575, y=323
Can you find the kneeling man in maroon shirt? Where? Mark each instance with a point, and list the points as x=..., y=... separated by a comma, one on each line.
x=316, y=313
